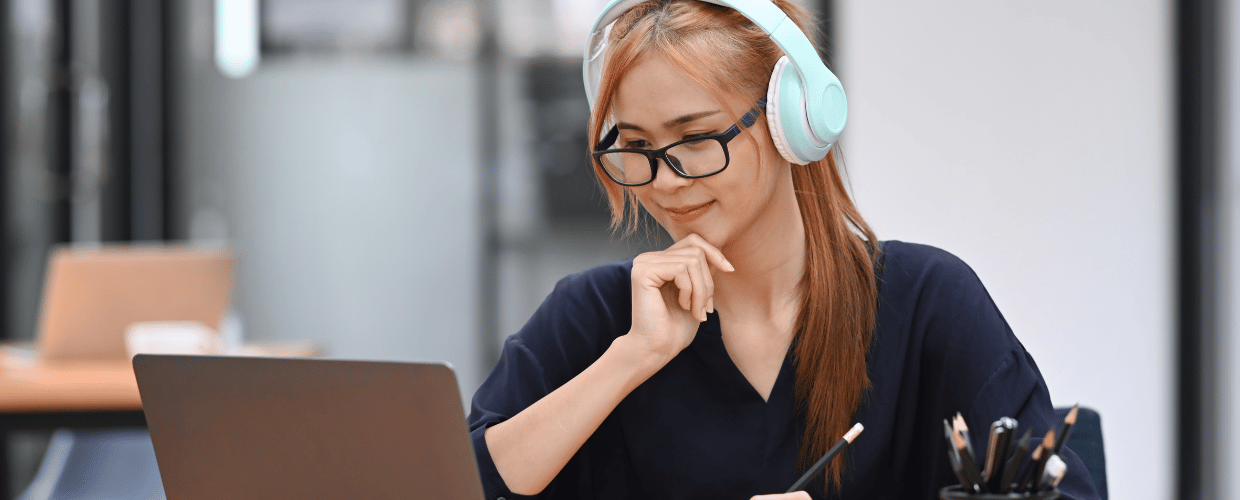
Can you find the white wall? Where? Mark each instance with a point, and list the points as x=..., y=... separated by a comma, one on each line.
x=349, y=189
x=1229, y=362
x=1035, y=141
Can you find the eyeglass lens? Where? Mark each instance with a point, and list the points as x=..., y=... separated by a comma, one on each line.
x=693, y=158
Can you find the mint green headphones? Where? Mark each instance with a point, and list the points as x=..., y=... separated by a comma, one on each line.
x=805, y=104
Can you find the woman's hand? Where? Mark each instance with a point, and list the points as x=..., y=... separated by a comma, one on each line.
x=673, y=290
x=796, y=495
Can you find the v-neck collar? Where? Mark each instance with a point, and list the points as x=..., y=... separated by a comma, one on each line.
x=710, y=347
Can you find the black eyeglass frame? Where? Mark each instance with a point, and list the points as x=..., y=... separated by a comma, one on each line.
x=654, y=155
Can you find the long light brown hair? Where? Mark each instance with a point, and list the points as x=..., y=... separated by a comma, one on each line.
x=727, y=54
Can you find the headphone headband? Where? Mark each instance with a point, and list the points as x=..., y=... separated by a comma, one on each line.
x=763, y=13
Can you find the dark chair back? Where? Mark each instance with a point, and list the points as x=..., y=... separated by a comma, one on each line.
x=1086, y=440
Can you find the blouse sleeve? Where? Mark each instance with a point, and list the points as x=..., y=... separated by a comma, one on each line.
x=976, y=366
x=569, y=331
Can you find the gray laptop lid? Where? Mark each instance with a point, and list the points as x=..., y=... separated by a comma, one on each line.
x=271, y=428
x=92, y=294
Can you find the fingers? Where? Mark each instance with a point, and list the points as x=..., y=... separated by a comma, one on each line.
x=703, y=283
x=689, y=265
x=712, y=254
x=687, y=276
x=685, y=283
x=696, y=293
x=699, y=274
x=688, y=273
x=707, y=257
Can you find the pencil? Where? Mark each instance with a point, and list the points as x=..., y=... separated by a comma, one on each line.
x=959, y=423
x=953, y=456
x=1029, y=480
x=822, y=462
x=1048, y=444
x=1068, y=422
x=1027, y=475
x=1015, y=462
x=967, y=462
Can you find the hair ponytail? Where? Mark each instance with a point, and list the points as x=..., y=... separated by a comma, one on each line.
x=839, y=303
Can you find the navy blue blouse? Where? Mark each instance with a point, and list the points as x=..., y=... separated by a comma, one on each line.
x=698, y=429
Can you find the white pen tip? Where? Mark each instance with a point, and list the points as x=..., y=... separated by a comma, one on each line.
x=852, y=433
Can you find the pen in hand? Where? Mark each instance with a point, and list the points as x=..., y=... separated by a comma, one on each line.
x=822, y=463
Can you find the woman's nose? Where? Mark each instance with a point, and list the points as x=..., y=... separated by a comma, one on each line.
x=666, y=179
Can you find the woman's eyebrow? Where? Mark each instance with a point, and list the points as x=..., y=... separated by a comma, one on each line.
x=680, y=120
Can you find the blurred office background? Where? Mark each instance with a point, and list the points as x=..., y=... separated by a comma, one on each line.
x=407, y=179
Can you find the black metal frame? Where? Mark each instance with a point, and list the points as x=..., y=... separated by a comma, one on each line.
x=147, y=83
x=136, y=197
x=60, y=139
x=1198, y=207
x=488, y=183
x=138, y=190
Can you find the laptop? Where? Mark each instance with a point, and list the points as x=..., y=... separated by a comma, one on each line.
x=271, y=428
x=92, y=294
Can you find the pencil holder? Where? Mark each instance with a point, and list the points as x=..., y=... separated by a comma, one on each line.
x=957, y=492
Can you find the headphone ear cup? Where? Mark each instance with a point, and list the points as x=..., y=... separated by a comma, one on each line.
x=786, y=118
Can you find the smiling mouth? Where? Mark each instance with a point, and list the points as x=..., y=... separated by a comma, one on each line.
x=685, y=215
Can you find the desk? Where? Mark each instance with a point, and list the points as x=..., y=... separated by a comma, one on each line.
x=37, y=395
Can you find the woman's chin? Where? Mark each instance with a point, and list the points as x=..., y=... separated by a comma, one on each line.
x=679, y=231
x=676, y=231
x=706, y=233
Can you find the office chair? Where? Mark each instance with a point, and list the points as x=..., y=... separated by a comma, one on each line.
x=1086, y=441
x=97, y=464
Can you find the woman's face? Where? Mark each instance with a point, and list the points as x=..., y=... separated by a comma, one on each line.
x=656, y=104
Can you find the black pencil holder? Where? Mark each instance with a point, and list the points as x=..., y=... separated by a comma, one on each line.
x=957, y=492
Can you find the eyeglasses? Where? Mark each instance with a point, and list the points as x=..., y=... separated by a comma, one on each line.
x=692, y=158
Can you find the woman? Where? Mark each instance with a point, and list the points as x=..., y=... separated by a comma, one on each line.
x=724, y=365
